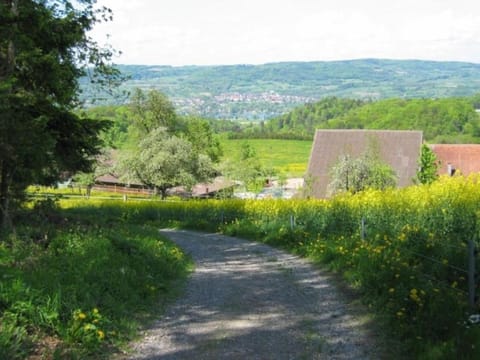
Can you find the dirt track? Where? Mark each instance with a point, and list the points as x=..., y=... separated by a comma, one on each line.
x=249, y=301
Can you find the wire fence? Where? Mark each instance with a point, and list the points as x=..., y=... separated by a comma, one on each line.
x=469, y=269
x=439, y=271
x=470, y=253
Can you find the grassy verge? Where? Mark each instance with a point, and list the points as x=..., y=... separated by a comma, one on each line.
x=73, y=287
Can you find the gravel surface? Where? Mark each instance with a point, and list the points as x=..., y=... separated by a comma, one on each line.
x=249, y=301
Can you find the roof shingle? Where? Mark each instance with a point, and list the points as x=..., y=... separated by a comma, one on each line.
x=464, y=158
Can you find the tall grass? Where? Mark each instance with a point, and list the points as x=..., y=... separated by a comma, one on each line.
x=85, y=284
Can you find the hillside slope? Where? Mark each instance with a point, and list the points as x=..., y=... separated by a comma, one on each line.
x=266, y=91
x=453, y=119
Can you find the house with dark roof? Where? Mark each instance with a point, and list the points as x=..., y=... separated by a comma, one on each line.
x=457, y=158
x=399, y=149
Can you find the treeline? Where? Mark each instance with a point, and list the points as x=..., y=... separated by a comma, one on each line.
x=117, y=136
x=301, y=122
x=448, y=120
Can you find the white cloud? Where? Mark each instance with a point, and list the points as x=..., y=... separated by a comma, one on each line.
x=257, y=31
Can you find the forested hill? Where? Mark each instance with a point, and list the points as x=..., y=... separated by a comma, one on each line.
x=454, y=120
x=266, y=91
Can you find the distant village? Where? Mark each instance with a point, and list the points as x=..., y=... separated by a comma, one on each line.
x=239, y=106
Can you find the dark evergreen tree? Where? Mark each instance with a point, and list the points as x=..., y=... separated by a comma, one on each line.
x=44, y=50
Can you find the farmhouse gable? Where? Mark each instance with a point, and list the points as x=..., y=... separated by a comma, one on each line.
x=398, y=149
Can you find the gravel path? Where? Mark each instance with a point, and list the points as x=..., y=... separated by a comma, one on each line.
x=249, y=301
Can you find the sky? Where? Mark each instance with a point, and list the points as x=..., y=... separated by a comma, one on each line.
x=224, y=32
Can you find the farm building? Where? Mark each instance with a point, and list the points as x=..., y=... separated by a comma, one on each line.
x=219, y=186
x=457, y=158
x=110, y=182
x=399, y=149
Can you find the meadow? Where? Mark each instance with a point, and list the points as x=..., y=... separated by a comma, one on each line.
x=287, y=156
x=404, y=252
x=78, y=287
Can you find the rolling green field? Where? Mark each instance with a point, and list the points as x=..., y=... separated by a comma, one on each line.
x=287, y=156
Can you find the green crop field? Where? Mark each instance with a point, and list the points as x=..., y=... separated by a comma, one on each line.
x=288, y=156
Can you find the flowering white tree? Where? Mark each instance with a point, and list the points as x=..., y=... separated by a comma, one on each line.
x=162, y=161
x=357, y=174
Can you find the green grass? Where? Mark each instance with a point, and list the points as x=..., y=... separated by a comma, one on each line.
x=40, y=192
x=287, y=156
x=74, y=286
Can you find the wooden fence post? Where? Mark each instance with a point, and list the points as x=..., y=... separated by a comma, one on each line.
x=363, y=231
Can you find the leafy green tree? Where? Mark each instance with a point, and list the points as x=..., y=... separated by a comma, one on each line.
x=202, y=137
x=427, y=166
x=162, y=161
x=247, y=152
x=116, y=136
x=151, y=110
x=451, y=120
x=44, y=50
x=302, y=121
x=248, y=169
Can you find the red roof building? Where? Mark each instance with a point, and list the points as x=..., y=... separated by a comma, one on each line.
x=457, y=158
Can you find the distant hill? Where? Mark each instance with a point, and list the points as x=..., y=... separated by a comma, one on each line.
x=257, y=92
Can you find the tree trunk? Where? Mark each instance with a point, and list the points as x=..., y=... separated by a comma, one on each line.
x=6, y=72
x=4, y=211
x=163, y=191
x=11, y=45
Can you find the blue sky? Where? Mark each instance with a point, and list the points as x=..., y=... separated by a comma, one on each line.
x=209, y=32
